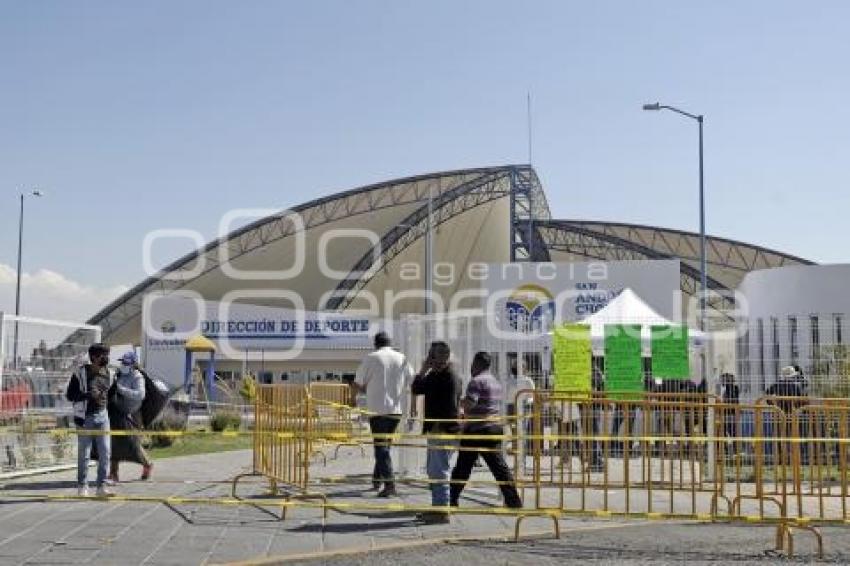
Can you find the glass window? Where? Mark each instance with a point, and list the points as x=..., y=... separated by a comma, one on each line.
x=762, y=376
x=774, y=335
x=793, y=338
x=815, y=332
x=744, y=364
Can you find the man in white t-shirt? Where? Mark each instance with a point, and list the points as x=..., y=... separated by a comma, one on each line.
x=385, y=376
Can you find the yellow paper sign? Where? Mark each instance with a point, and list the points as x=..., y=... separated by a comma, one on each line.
x=571, y=346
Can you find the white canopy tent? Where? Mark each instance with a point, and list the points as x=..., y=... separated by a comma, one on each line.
x=628, y=308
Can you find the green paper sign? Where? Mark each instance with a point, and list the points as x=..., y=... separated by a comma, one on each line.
x=623, y=361
x=571, y=345
x=670, y=352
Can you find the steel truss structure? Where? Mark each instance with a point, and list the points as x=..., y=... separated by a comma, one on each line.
x=517, y=182
x=728, y=261
x=534, y=236
x=455, y=192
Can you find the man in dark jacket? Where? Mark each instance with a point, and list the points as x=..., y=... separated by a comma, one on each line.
x=88, y=390
x=442, y=389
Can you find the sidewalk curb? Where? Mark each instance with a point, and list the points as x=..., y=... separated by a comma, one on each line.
x=352, y=551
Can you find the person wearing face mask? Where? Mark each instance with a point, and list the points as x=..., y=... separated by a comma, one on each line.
x=88, y=390
x=124, y=415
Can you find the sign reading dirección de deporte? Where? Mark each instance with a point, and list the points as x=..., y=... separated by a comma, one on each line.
x=284, y=328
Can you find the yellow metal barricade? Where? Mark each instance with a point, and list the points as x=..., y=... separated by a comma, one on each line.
x=656, y=456
x=282, y=434
x=335, y=421
x=819, y=435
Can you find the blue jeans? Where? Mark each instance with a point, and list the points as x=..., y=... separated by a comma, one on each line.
x=439, y=469
x=84, y=443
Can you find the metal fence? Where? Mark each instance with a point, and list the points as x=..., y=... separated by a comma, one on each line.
x=816, y=344
x=37, y=358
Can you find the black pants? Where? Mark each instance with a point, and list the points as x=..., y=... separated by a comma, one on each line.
x=383, y=424
x=492, y=454
x=590, y=417
x=623, y=416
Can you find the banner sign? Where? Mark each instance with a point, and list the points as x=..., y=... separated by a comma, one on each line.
x=623, y=361
x=670, y=358
x=571, y=346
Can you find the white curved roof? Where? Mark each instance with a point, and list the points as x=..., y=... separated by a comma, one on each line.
x=474, y=221
x=471, y=219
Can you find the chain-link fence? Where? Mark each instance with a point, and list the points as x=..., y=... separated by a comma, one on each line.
x=36, y=359
x=815, y=345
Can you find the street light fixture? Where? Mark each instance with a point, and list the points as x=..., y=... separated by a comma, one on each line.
x=34, y=193
x=655, y=106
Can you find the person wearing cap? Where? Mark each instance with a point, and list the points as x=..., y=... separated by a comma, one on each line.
x=788, y=395
x=123, y=415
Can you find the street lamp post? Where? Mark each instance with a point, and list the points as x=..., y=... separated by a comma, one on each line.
x=703, y=276
x=35, y=193
x=702, y=266
x=429, y=255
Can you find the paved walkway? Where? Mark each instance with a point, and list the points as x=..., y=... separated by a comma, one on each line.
x=134, y=532
x=38, y=526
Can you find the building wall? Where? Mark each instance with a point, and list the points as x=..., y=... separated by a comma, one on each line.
x=794, y=315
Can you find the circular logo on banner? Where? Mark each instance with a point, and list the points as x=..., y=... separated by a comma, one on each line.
x=528, y=306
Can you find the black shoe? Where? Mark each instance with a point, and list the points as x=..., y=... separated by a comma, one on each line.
x=376, y=486
x=454, y=503
x=388, y=491
x=514, y=505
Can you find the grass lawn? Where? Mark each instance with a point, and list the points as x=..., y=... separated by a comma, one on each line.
x=201, y=444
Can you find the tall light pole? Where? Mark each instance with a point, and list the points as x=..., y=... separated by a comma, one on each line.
x=35, y=193
x=429, y=255
x=702, y=268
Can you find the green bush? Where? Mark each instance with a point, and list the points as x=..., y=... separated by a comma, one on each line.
x=225, y=420
x=28, y=439
x=248, y=390
x=169, y=421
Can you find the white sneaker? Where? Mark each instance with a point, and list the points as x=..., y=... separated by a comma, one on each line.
x=83, y=491
x=103, y=491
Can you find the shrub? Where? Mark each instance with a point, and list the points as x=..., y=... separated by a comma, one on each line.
x=248, y=390
x=168, y=421
x=225, y=420
x=28, y=439
x=61, y=445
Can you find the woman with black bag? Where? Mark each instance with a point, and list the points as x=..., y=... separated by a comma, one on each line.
x=125, y=413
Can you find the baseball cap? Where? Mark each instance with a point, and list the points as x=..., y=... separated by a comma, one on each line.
x=129, y=358
x=789, y=372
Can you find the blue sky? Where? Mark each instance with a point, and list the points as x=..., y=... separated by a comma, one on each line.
x=142, y=115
